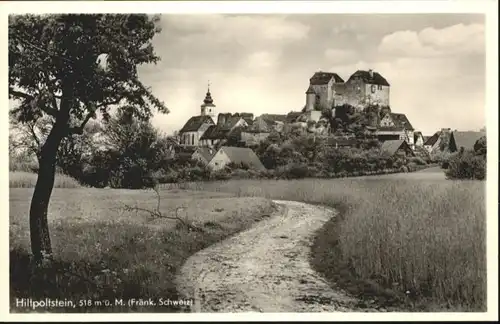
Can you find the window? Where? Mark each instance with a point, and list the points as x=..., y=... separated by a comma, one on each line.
x=192, y=139
x=379, y=87
x=373, y=88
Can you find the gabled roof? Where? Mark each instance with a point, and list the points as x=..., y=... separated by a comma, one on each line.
x=320, y=78
x=248, y=117
x=259, y=126
x=215, y=132
x=392, y=146
x=243, y=155
x=194, y=123
x=231, y=122
x=466, y=139
x=433, y=139
x=367, y=78
x=206, y=152
x=401, y=122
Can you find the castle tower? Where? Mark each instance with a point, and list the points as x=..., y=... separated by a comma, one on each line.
x=208, y=107
x=310, y=98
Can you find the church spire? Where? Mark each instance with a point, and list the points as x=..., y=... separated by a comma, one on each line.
x=208, y=107
x=208, y=97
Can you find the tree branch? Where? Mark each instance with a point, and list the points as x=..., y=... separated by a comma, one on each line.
x=20, y=94
x=79, y=129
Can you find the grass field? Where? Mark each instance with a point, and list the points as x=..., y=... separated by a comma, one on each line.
x=20, y=179
x=102, y=252
x=408, y=241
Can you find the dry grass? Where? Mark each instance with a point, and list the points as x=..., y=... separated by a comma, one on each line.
x=21, y=179
x=418, y=244
x=103, y=252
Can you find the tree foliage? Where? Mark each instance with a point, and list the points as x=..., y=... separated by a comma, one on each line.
x=73, y=68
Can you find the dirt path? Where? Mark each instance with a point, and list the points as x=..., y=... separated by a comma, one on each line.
x=264, y=269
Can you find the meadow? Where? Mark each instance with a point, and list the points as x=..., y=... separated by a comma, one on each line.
x=411, y=241
x=103, y=252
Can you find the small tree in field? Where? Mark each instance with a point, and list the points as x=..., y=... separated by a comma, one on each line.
x=72, y=68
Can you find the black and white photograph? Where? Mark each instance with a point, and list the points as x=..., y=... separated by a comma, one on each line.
x=251, y=159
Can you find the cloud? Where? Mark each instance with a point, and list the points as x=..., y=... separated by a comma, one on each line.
x=262, y=59
x=430, y=42
x=340, y=56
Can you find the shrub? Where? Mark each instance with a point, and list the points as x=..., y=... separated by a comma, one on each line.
x=467, y=165
x=418, y=160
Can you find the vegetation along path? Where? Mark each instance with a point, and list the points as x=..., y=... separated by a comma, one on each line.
x=265, y=269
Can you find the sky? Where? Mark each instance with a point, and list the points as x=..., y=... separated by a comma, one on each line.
x=435, y=63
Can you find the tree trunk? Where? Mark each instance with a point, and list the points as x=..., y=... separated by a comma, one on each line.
x=39, y=229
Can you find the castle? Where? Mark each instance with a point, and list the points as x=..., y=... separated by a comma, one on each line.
x=325, y=92
x=363, y=88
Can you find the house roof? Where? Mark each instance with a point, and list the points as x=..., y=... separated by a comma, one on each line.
x=206, y=152
x=194, y=123
x=273, y=117
x=367, y=78
x=215, y=132
x=400, y=122
x=342, y=141
x=231, y=122
x=466, y=139
x=392, y=146
x=320, y=78
x=432, y=139
x=243, y=155
x=259, y=126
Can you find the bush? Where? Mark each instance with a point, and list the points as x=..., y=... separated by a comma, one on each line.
x=418, y=160
x=467, y=165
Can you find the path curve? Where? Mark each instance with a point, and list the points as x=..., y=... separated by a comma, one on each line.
x=265, y=268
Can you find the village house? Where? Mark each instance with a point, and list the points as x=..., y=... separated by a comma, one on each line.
x=464, y=139
x=237, y=155
x=255, y=133
x=203, y=154
x=397, y=147
x=439, y=141
x=226, y=125
x=393, y=126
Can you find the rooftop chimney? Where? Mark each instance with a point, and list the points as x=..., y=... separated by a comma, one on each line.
x=371, y=73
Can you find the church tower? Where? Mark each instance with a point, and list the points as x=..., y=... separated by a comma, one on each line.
x=208, y=107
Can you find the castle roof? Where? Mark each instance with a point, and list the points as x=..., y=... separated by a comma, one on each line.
x=374, y=78
x=320, y=78
x=194, y=123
